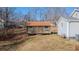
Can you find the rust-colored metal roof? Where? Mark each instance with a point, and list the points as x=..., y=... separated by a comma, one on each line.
x=39, y=23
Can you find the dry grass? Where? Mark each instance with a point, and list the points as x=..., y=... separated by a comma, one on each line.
x=9, y=42
x=43, y=43
x=47, y=43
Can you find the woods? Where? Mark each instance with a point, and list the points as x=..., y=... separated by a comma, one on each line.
x=12, y=18
x=44, y=14
x=24, y=28
x=6, y=14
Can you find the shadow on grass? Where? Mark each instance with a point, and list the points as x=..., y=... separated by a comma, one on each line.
x=11, y=47
x=14, y=38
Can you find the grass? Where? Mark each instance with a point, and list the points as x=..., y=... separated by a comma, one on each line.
x=47, y=43
x=51, y=42
x=16, y=37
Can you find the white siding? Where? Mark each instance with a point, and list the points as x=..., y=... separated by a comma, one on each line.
x=62, y=27
x=76, y=14
x=74, y=29
x=68, y=26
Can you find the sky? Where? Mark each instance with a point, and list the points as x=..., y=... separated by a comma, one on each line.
x=21, y=10
x=69, y=10
x=24, y=10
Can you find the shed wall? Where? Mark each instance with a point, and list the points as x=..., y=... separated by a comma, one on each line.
x=74, y=29
x=62, y=27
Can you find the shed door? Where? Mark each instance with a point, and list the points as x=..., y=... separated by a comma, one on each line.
x=74, y=29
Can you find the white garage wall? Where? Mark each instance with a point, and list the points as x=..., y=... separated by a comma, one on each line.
x=74, y=28
x=62, y=27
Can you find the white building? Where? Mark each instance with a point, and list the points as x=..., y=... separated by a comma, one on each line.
x=75, y=13
x=68, y=26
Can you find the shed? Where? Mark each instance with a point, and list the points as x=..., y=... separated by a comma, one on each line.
x=68, y=26
x=40, y=27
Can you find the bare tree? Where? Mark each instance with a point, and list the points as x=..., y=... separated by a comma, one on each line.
x=6, y=13
x=53, y=13
x=46, y=13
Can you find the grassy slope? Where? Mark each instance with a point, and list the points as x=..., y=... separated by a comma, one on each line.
x=47, y=42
